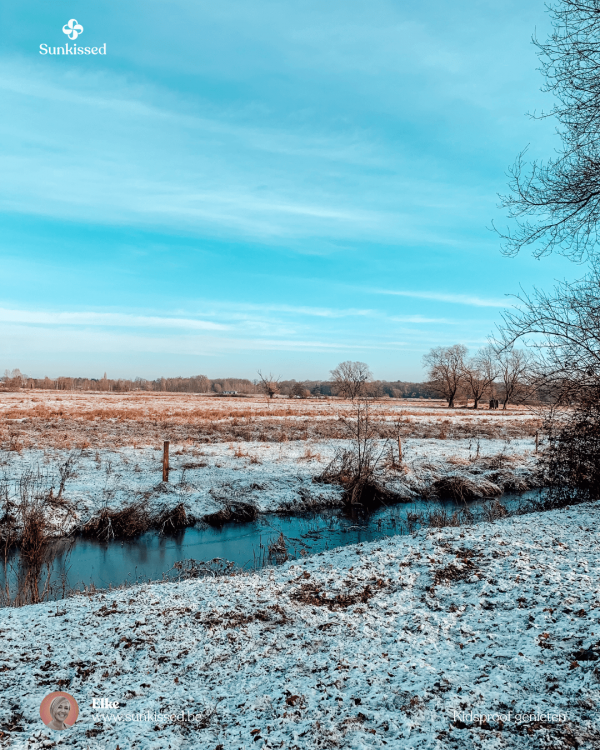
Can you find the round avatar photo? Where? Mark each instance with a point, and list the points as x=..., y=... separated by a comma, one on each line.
x=59, y=711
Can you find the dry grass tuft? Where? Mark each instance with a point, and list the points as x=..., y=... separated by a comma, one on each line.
x=124, y=523
x=458, y=461
x=236, y=511
x=462, y=488
x=309, y=455
x=462, y=570
x=278, y=552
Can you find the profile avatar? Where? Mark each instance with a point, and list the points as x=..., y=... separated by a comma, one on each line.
x=59, y=711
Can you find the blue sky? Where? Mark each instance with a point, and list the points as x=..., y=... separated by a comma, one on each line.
x=261, y=185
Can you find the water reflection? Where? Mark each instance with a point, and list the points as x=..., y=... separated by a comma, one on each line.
x=80, y=563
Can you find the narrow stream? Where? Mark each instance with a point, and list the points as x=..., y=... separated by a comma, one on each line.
x=83, y=562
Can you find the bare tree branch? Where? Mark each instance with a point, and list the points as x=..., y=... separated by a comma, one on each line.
x=556, y=203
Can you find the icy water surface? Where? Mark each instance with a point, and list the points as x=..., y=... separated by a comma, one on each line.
x=83, y=562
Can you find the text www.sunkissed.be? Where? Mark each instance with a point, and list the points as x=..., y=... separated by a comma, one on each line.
x=110, y=718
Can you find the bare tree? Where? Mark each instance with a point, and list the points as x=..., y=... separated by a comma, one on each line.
x=445, y=369
x=268, y=385
x=514, y=370
x=556, y=204
x=350, y=379
x=480, y=372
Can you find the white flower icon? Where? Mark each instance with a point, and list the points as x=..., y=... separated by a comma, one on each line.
x=72, y=29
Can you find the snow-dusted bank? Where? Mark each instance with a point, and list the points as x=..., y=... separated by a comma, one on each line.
x=273, y=477
x=405, y=643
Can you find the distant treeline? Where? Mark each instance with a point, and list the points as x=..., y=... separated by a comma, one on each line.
x=15, y=380
x=376, y=388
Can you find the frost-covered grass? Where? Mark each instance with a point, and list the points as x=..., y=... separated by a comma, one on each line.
x=272, y=477
x=389, y=644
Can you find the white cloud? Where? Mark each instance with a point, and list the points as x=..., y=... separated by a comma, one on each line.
x=107, y=320
x=423, y=319
x=17, y=338
x=458, y=299
x=318, y=312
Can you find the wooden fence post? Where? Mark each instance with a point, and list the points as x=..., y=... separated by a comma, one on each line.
x=166, y=461
x=399, y=451
x=537, y=440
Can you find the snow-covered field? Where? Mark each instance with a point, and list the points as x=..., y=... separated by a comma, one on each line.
x=272, y=477
x=402, y=643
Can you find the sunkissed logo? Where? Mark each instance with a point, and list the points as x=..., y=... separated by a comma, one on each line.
x=72, y=29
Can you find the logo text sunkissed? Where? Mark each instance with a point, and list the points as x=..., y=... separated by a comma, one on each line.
x=73, y=29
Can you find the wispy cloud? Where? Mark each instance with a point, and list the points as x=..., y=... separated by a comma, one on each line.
x=253, y=194
x=240, y=310
x=423, y=319
x=283, y=323
x=457, y=299
x=181, y=198
x=234, y=174
x=107, y=320
x=18, y=336
x=233, y=312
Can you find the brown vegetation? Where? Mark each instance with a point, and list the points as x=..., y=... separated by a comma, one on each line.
x=314, y=595
x=43, y=419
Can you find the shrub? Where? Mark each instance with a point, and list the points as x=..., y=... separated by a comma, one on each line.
x=358, y=468
x=570, y=463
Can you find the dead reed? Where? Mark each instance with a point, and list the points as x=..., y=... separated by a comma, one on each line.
x=25, y=536
x=134, y=520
